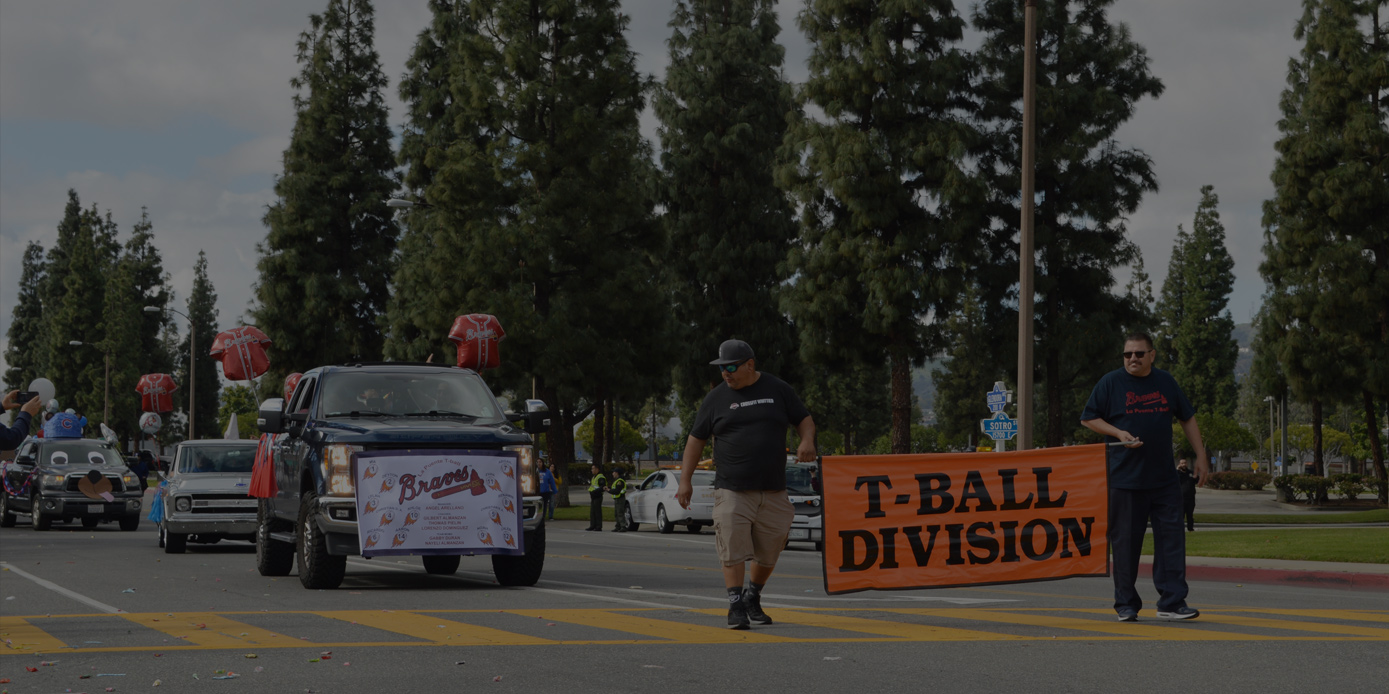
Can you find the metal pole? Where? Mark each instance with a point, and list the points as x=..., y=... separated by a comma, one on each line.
x=1025, y=250
x=1271, y=455
x=106, y=399
x=1283, y=425
x=192, y=373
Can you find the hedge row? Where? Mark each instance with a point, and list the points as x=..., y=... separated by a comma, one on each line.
x=1239, y=480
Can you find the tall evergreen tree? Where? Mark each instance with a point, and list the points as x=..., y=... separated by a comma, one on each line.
x=1327, y=238
x=881, y=187
x=973, y=366
x=1089, y=75
x=325, y=262
x=52, y=288
x=78, y=372
x=1203, y=336
x=122, y=319
x=202, y=312
x=1139, y=292
x=25, y=338
x=723, y=111
x=149, y=287
x=1171, y=302
x=542, y=208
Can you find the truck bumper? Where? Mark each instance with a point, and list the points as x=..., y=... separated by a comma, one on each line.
x=337, y=518
x=219, y=524
x=90, y=508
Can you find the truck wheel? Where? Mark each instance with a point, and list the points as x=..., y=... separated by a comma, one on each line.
x=273, y=558
x=128, y=523
x=441, y=565
x=42, y=521
x=161, y=536
x=525, y=569
x=317, y=568
x=6, y=513
x=663, y=523
x=175, y=543
x=90, y=522
x=694, y=528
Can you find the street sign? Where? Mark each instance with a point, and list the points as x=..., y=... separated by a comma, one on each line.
x=998, y=398
x=999, y=427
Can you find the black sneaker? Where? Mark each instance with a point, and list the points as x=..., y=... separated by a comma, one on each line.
x=1182, y=612
x=1128, y=616
x=737, y=615
x=753, y=605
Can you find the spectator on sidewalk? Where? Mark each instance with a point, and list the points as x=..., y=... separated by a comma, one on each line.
x=1188, y=482
x=548, y=491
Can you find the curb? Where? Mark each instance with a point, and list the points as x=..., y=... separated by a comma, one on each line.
x=1313, y=579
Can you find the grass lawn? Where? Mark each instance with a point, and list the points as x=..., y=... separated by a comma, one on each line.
x=1363, y=545
x=1304, y=518
x=580, y=513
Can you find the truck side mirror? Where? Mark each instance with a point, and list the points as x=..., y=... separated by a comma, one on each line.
x=270, y=418
x=537, y=416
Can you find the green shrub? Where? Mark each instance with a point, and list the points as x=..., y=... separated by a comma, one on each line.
x=1238, y=480
x=1257, y=480
x=1349, y=485
x=1314, y=487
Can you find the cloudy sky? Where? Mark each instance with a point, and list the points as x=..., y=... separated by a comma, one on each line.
x=184, y=107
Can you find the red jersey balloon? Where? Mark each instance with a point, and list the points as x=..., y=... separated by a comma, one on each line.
x=242, y=351
x=477, y=336
x=291, y=382
x=156, y=392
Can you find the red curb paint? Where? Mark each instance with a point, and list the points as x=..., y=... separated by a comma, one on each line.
x=1314, y=579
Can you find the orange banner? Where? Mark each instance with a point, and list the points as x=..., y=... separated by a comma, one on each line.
x=959, y=519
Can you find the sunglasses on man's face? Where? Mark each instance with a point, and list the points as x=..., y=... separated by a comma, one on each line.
x=1135, y=355
x=733, y=368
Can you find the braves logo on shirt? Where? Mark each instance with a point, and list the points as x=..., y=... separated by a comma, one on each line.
x=1147, y=402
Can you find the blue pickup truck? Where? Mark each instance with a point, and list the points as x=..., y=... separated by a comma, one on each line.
x=346, y=424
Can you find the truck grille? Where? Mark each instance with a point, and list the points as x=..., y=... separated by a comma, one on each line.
x=224, y=503
x=115, y=481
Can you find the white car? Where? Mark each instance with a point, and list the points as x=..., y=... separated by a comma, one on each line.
x=803, y=488
x=653, y=501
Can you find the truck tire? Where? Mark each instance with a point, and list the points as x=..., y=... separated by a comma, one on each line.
x=128, y=523
x=175, y=543
x=89, y=522
x=525, y=569
x=441, y=565
x=42, y=521
x=663, y=523
x=694, y=528
x=273, y=558
x=318, y=570
x=6, y=513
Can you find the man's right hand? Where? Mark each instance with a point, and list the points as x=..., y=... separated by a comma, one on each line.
x=32, y=407
x=1129, y=440
x=684, y=494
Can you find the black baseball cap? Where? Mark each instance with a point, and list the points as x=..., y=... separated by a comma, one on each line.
x=732, y=352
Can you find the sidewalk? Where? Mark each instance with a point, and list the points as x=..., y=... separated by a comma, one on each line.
x=1315, y=574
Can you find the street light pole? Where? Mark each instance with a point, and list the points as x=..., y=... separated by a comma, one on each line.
x=1269, y=399
x=192, y=363
x=1025, y=246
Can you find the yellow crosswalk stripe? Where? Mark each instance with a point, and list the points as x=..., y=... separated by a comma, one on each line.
x=1164, y=631
x=882, y=627
x=658, y=628
x=1292, y=625
x=208, y=629
x=453, y=633
x=1349, y=615
x=20, y=636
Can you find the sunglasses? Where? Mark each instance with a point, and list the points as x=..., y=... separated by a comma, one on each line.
x=1135, y=355
x=733, y=368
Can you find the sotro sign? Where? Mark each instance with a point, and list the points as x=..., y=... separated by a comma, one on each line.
x=999, y=427
x=958, y=519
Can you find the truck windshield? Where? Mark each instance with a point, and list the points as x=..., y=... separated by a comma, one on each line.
x=217, y=458
x=80, y=453
x=800, y=479
x=443, y=393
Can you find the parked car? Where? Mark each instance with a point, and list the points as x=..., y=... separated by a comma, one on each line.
x=205, y=497
x=653, y=501
x=70, y=478
x=339, y=415
x=803, y=488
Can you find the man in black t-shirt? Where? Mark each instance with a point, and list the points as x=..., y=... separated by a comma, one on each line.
x=747, y=417
x=1135, y=406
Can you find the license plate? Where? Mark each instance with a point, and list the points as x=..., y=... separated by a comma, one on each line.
x=800, y=534
x=96, y=508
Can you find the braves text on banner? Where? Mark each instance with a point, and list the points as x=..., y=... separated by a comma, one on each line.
x=438, y=502
x=958, y=519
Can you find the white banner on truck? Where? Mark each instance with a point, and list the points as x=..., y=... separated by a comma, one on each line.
x=438, y=502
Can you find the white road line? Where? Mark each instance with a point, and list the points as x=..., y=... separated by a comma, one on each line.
x=61, y=590
x=487, y=582
x=637, y=534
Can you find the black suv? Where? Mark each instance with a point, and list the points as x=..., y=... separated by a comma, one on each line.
x=66, y=479
x=339, y=414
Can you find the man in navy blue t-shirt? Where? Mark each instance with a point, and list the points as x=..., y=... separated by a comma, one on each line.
x=1135, y=406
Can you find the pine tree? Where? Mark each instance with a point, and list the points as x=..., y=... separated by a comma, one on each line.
x=149, y=284
x=1171, y=302
x=723, y=111
x=1139, y=293
x=202, y=312
x=1089, y=74
x=542, y=211
x=973, y=366
x=122, y=320
x=881, y=186
x=326, y=260
x=25, y=338
x=1203, y=340
x=1327, y=238
x=78, y=372
x=52, y=288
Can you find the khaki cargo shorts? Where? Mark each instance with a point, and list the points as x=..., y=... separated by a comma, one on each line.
x=751, y=525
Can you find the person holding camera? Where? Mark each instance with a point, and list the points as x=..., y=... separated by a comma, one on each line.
x=12, y=436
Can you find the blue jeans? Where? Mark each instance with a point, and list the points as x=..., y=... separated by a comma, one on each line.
x=548, y=510
x=1130, y=511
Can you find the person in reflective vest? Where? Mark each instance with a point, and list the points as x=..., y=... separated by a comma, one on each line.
x=618, y=489
x=596, y=486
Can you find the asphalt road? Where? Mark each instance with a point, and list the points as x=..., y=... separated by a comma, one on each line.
x=635, y=612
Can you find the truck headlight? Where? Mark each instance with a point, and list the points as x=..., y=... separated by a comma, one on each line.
x=128, y=479
x=530, y=477
x=337, y=469
x=53, y=481
x=183, y=504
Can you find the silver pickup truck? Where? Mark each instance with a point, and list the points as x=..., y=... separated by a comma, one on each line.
x=205, y=494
